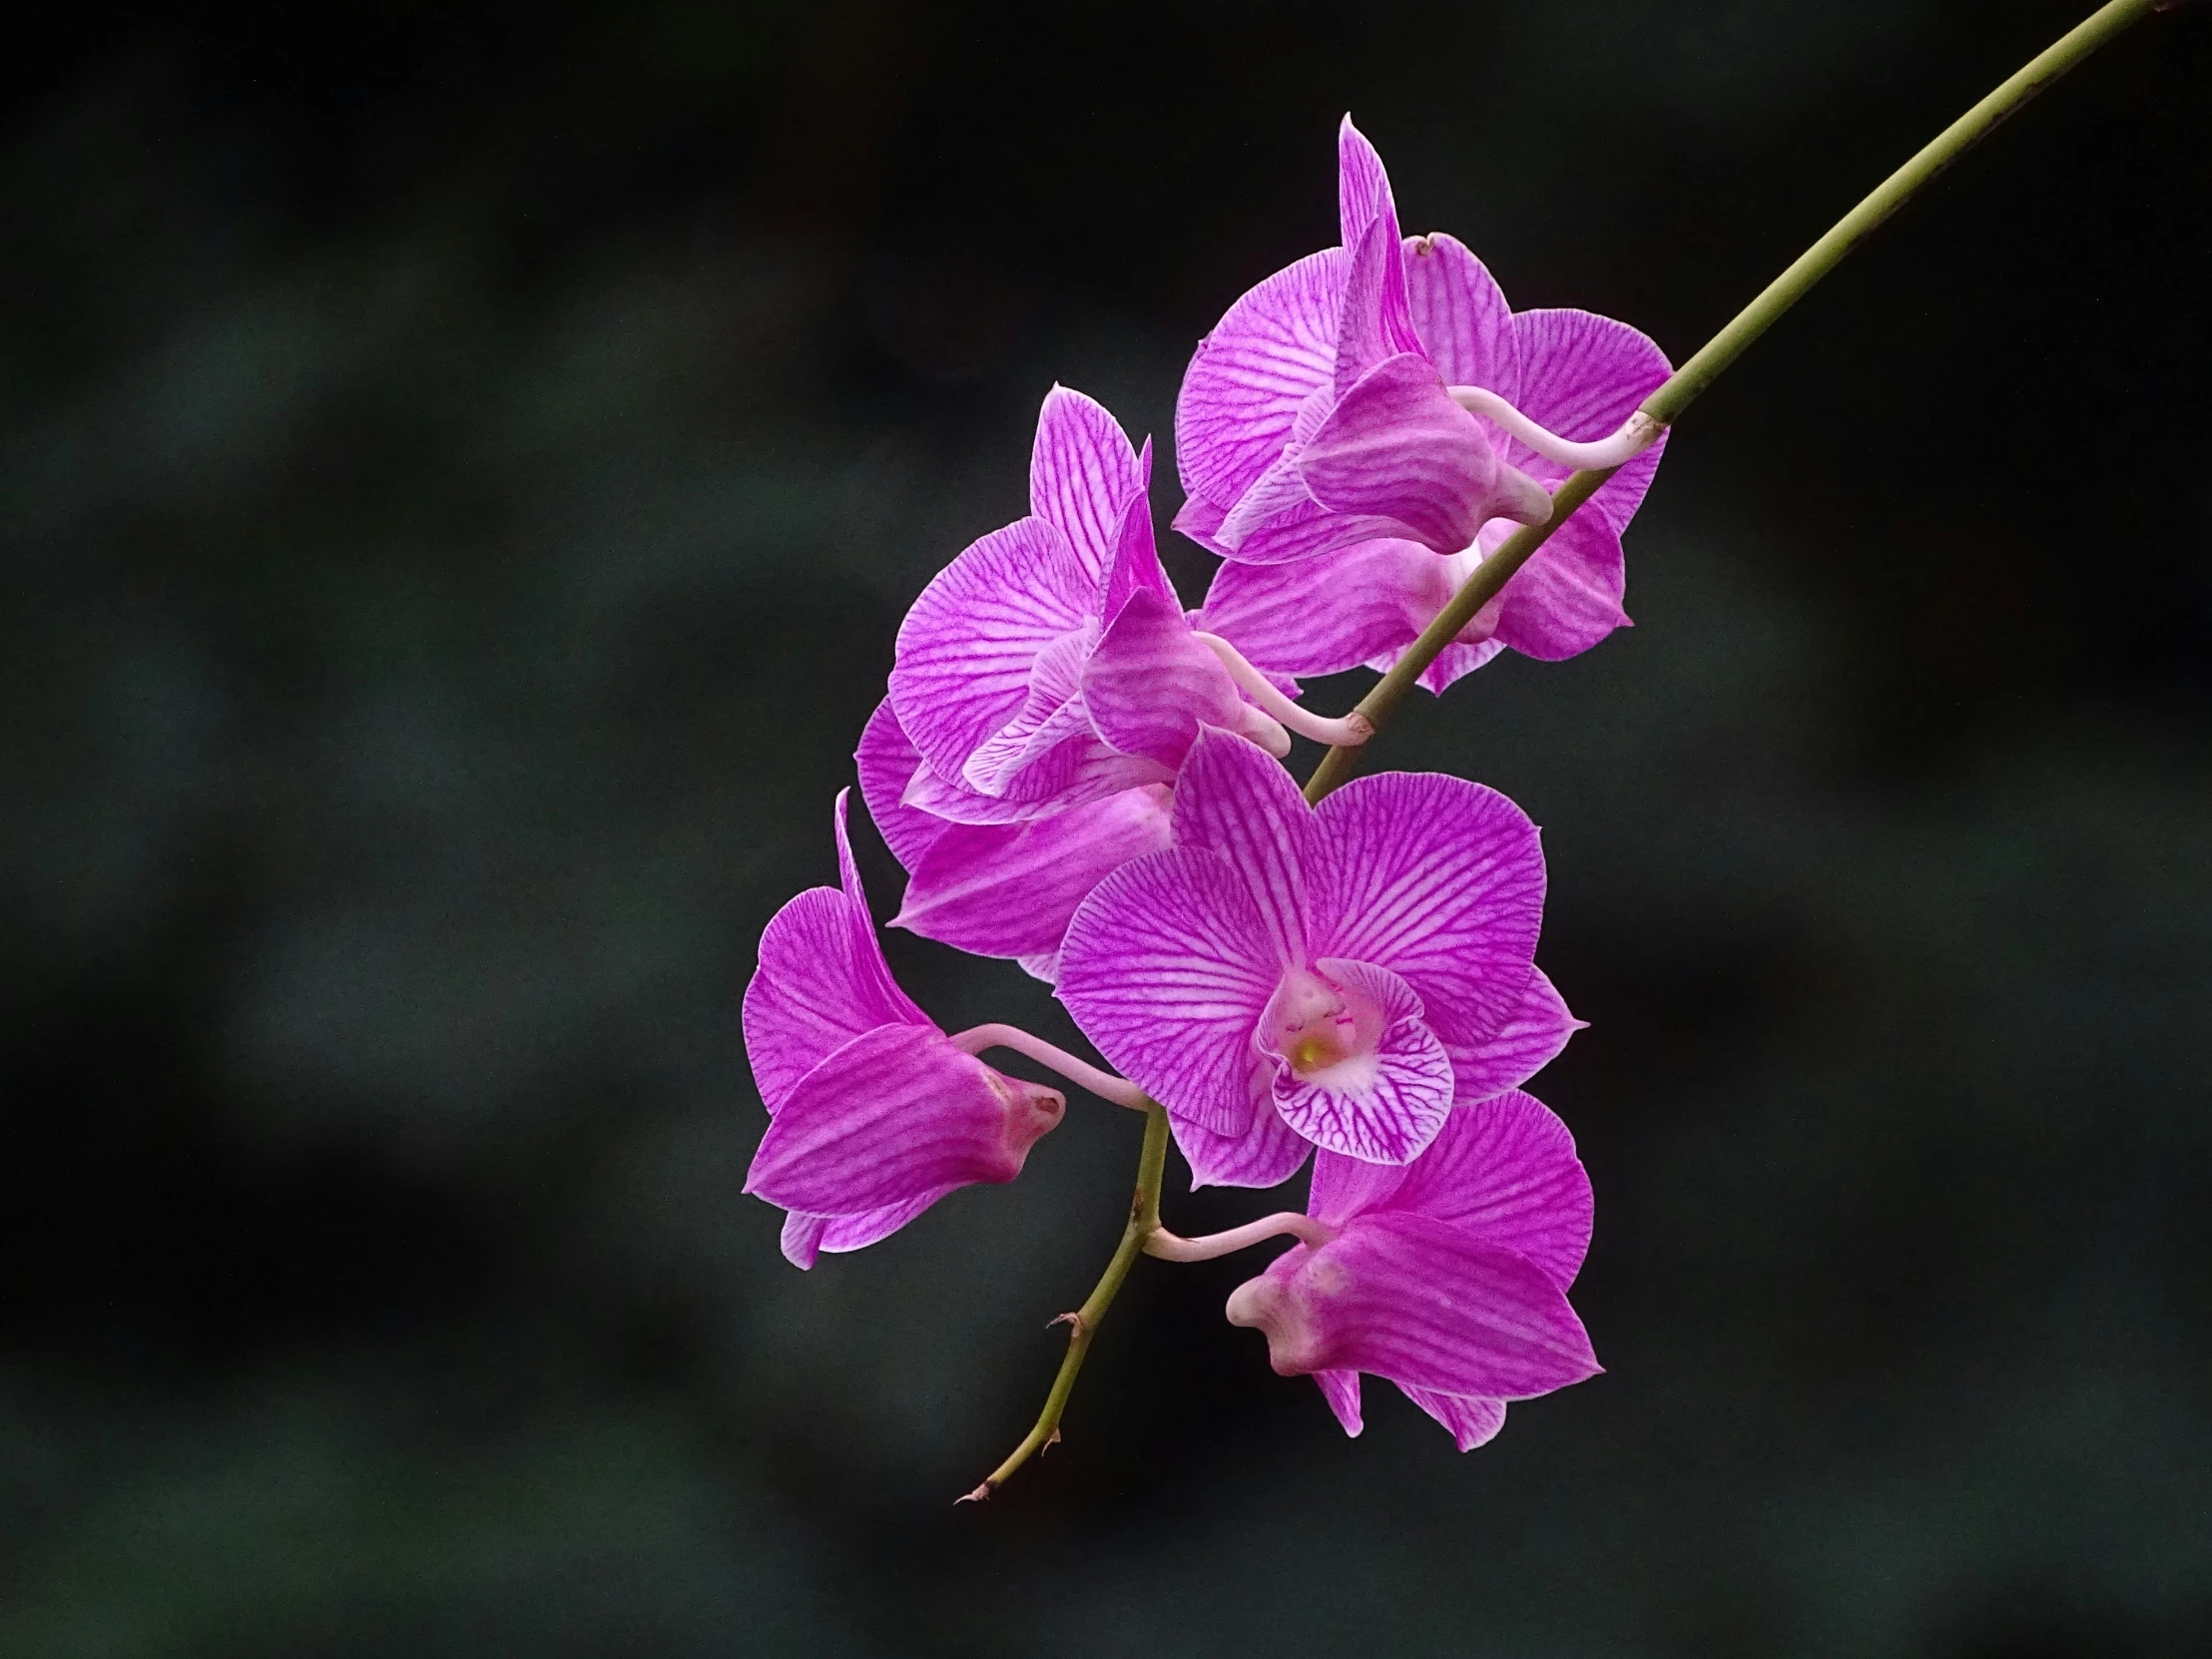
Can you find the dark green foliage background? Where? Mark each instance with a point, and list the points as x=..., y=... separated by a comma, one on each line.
x=462, y=469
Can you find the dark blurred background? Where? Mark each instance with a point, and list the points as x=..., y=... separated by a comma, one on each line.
x=462, y=469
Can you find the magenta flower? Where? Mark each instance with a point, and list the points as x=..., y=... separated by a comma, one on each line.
x=1518, y=381
x=1448, y=1275
x=1314, y=417
x=876, y=1113
x=1051, y=664
x=1340, y=975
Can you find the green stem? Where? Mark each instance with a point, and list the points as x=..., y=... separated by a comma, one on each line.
x=1684, y=386
x=1144, y=1221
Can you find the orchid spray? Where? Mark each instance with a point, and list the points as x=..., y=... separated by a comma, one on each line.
x=1400, y=470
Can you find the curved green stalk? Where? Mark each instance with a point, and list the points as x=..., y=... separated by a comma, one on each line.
x=1684, y=386
x=1144, y=1221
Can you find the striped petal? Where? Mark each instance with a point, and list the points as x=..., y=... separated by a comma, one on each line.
x=1048, y=716
x=1135, y=565
x=1582, y=375
x=1506, y=1172
x=1234, y=799
x=1462, y=317
x=1407, y=1297
x=1517, y=1050
x=1166, y=968
x=1362, y=185
x=1082, y=472
x=822, y=981
x=1397, y=448
x=897, y=1113
x=1473, y=1421
x=807, y=1236
x=1010, y=889
x=1151, y=682
x=967, y=648
x=1323, y=614
x=1569, y=596
x=1342, y=1390
x=1241, y=394
x=1267, y=1154
x=886, y=761
x=1439, y=880
x=1374, y=322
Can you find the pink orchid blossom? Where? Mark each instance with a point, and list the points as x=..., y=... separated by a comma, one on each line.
x=1448, y=1275
x=1339, y=976
x=1245, y=425
x=874, y=1112
x=1051, y=664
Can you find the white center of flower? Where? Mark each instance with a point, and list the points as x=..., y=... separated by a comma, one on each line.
x=1325, y=1032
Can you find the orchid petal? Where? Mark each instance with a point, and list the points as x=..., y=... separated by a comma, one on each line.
x=822, y=981
x=896, y=1113
x=807, y=1236
x=967, y=648
x=803, y=1001
x=1362, y=184
x=1582, y=377
x=1276, y=346
x=1342, y=1390
x=1151, y=682
x=1518, y=1050
x=1462, y=318
x=1166, y=968
x=1407, y=1297
x=1439, y=880
x=872, y=975
x=1135, y=566
x=1375, y=320
x=1307, y=530
x=1471, y=1419
x=1398, y=448
x=1044, y=720
x=1383, y=1107
x=886, y=763
x=1278, y=495
x=1267, y=1154
x=1009, y=889
x=1323, y=614
x=1236, y=801
x=1079, y=769
x=1081, y=472
x=1200, y=520
x=1346, y=1187
x=1567, y=597
x=1506, y=1172
x=1452, y=661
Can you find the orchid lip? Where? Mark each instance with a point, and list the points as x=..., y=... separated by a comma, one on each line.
x=1322, y=1031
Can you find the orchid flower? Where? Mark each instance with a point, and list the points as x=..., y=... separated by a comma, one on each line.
x=1341, y=976
x=1498, y=382
x=874, y=1113
x=1448, y=1275
x=1051, y=664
